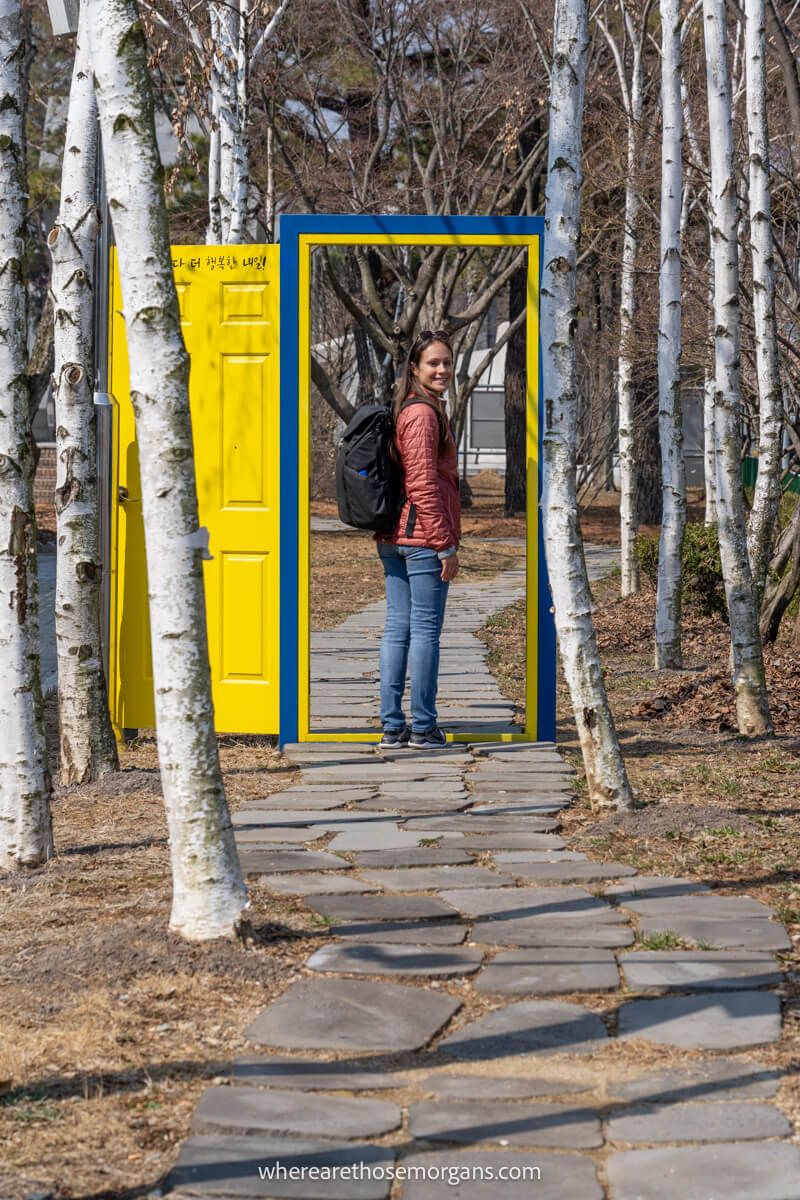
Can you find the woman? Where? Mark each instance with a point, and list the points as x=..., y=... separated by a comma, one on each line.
x=420, y=556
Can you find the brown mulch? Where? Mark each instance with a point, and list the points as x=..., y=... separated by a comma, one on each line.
x=701, y=694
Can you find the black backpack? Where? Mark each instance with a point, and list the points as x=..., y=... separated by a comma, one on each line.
x=369, y=483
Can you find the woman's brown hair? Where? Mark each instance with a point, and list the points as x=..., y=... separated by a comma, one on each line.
x=409, y=386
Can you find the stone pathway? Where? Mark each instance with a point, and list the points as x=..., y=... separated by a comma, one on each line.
x=344, y=693
x=484, y=1000
x=344, y=665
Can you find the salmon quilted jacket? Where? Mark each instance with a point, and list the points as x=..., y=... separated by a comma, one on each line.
x=431, y=514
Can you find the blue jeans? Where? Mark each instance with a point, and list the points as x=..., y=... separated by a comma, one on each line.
x=415, y=600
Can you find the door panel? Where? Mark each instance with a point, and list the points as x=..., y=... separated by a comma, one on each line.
x=228, y=300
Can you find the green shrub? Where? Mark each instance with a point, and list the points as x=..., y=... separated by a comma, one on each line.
x=646, y=549
x=703, y=585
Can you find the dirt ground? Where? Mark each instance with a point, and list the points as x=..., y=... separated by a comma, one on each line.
x=110, y=1027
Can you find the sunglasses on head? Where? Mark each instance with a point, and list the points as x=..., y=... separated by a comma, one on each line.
x=433, y=335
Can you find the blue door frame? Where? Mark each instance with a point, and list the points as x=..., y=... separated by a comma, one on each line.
x=296, y=232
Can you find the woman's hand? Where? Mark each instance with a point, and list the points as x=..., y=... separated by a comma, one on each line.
x=449, y=567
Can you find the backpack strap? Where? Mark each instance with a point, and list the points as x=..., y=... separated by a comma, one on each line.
x=443, y=424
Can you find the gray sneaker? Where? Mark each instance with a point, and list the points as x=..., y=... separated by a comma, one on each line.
x=395, y=739
x=431, y=739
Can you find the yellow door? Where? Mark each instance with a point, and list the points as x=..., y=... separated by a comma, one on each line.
x=229, y=315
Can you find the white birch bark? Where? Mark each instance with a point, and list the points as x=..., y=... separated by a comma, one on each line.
x=767, y=495
x=225, y=67
x=632, y=100
x=208, y=891
x=752, y=706
x=232, y=56
x=709, y=449
x=240, y=165
x=214, y=229
x=605, y=771
x=25, y=829
x=88, y=747
x=709, y=453
x=673, y=474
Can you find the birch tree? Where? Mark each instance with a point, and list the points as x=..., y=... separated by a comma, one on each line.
x=632, y=92
x=227, y=55
x=605, y=771
x=208, y=891
x=88, y=746
x=752, y=706
x=766, y=498
x=673, y=475
x=25, y=829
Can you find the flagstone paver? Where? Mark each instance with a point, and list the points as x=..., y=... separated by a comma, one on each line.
x=431, y=932
x=313, y=884
x=512, y=1124
x=722, y=1171
x=422, y=879
x=695, y=1121
x=538, y=932
x=509, y=1087
x=462, y=974
x=688, y=970
x=538, y=856
x=224, y=1167
x=528, y=1027
x=419, y=856
x=547, y=970
x=705, y=1021
x=714, y=1079
x=395, y=958
x=512, y=841
x=352, y=1014
x=464, y=823
x=251, y=1110
x=659, y=886
x=567, y=872
x=308, y=1074
x=748, y=933
x=372, y=908
x=549, y=1176
x=264, y=862
x=545, y=903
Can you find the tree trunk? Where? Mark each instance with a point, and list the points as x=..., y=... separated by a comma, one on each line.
x=709, y=452
x=228, y=159
x=88, y=748
x=782, y=50
x=605, y=771
x=647, y=450
x=752, y=706
x=208, y=892
x=629, y=517
x=673, y=475
x=767, y=495
x=515, y=408
x=784, y=578
x=25, y=831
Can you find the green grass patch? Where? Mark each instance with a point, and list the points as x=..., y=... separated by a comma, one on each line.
x=662, y=939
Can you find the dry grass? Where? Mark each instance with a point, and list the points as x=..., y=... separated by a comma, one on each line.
x=111, y=1026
